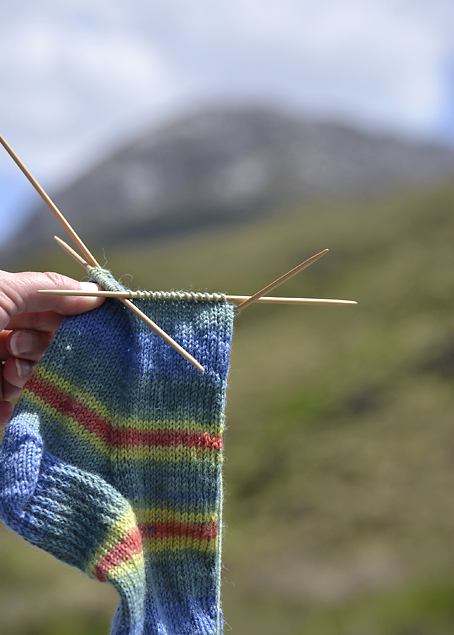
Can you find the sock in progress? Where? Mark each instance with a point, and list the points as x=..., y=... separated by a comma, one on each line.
x=112, y=459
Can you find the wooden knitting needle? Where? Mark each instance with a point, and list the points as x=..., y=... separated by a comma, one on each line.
x=134, y=309
x=229, y=298
x=54, y=209
x=280, y=280
x=89, y=256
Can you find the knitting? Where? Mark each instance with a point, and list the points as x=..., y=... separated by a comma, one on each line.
x=112, y=459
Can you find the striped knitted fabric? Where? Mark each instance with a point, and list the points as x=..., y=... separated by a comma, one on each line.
x=112, y=459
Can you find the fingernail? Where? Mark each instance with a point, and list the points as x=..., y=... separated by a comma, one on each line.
x=21, y=342
x=89, y=286
x=24, y=368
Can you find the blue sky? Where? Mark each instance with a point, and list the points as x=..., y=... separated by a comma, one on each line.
x=79, y=77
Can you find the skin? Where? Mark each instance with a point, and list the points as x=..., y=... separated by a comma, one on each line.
x=28, y=321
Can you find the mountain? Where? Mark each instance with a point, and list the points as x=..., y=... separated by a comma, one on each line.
x=221, y=165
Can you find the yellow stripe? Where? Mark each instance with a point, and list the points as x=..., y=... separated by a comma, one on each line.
x=133, y=564
x=159, y=515
x=172, y=454
x=125, y=422
x=167, y=455
x=68, y=423
x=179, y=543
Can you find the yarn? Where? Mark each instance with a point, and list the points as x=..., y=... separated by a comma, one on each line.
x=112, y=459
x=109, y=283
x=105, y=279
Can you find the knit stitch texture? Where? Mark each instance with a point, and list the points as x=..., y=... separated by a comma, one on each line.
x=112, y=459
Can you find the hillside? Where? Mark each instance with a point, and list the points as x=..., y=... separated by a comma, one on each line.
x=225, y=165
x=340, y=445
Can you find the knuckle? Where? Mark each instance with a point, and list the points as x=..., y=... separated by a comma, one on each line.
x=56, y=279
x=11, y=301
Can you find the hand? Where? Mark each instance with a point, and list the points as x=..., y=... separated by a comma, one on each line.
x=28, y=321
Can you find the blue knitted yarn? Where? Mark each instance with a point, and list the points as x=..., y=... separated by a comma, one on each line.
x=112, y=460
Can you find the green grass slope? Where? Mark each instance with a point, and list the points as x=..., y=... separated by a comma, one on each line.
x=340, y=444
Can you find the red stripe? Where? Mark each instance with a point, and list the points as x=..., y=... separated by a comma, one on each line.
x=200, y=531
x=129, y=546
x=69, y=406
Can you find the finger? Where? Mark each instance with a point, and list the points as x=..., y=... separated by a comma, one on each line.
x=18, y=294
x=7, y=392
x=6, y=410
x=28, y=344
x=47, y=321
x=16, y=373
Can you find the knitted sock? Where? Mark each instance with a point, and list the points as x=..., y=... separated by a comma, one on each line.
x=112, y=459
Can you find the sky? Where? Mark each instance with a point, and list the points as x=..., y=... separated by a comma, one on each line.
x=79, y=78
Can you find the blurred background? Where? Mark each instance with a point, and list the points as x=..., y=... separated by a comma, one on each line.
x=214, y=146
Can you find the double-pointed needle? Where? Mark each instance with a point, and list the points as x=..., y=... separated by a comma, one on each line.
x=199, y=296
x=89, y=256
x=54, y=209
x=281, y=280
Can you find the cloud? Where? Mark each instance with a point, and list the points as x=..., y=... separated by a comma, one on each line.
x=73, y=80
x=372, y=59
x=83, y=76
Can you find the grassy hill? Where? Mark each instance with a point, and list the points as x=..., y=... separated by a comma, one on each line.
x=340, y=443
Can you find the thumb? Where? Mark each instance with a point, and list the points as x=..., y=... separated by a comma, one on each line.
x=18, y=294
